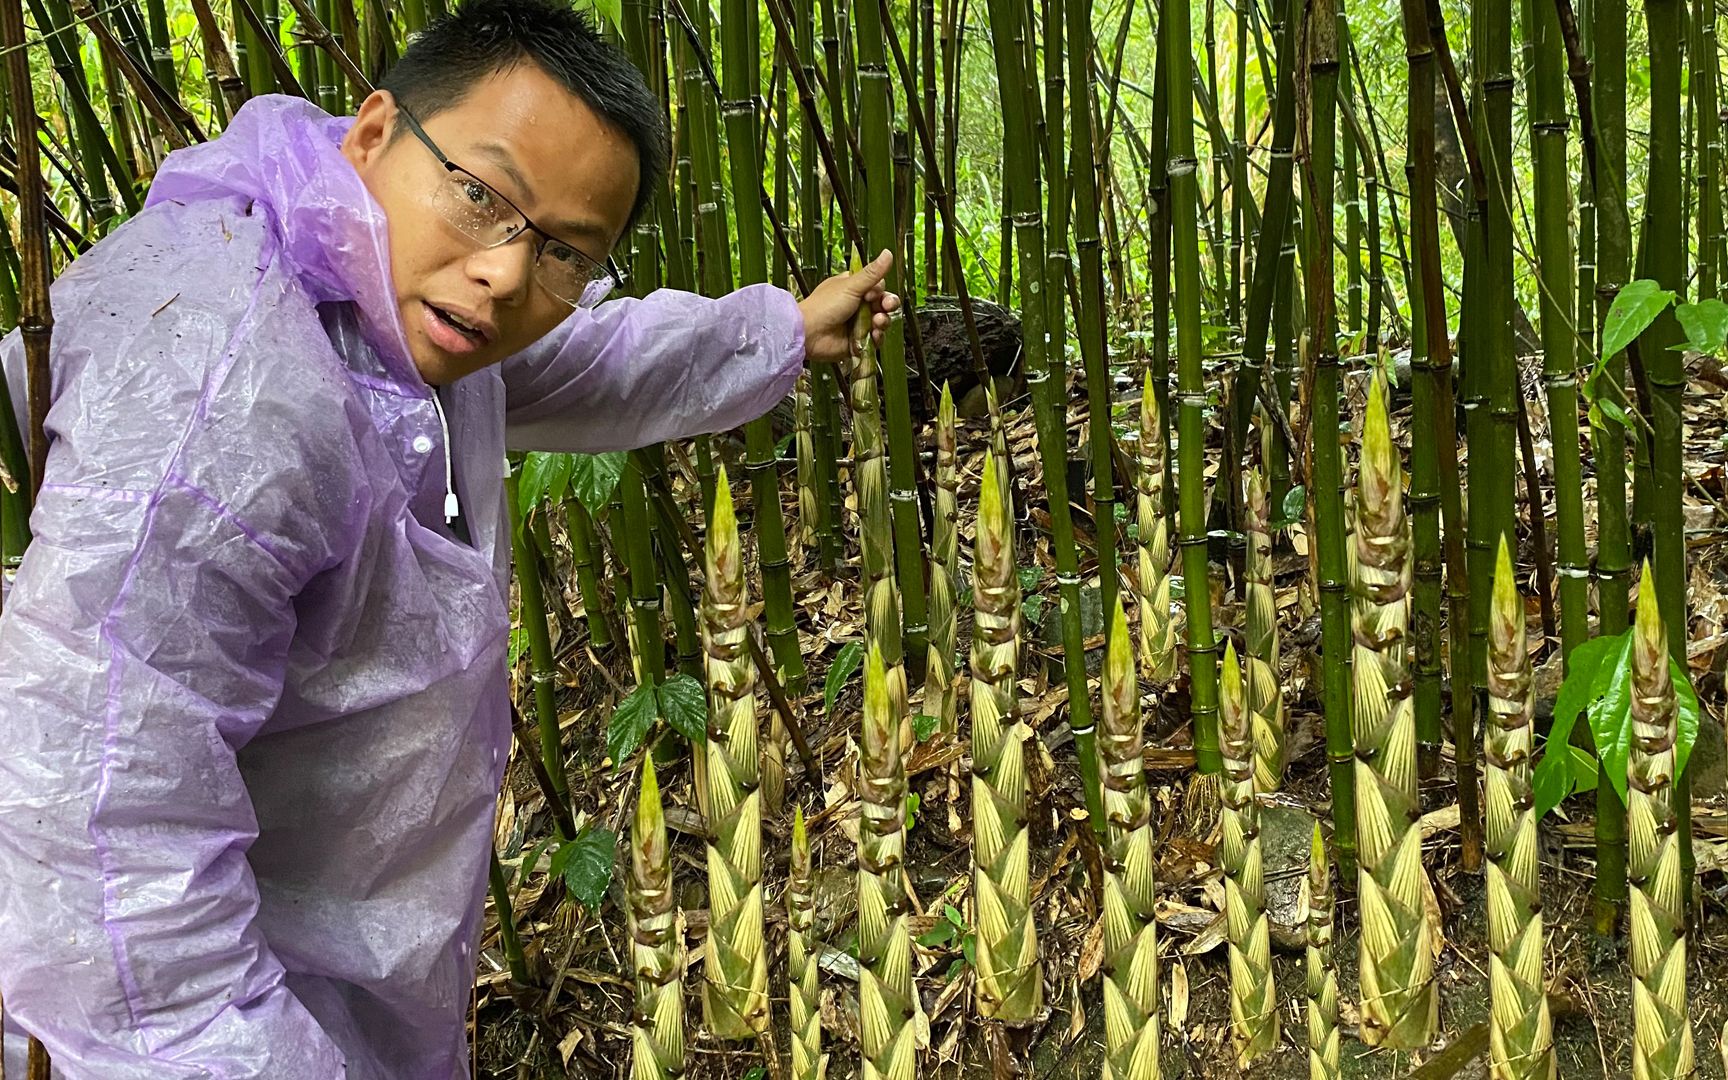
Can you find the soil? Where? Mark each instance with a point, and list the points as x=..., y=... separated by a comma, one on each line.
x=575, y=1020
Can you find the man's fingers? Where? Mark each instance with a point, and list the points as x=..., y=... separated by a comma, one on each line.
x=869, y=278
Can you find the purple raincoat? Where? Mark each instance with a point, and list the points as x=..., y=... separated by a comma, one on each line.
x=252, y=691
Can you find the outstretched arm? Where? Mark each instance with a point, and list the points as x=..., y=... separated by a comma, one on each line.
x=673, y=364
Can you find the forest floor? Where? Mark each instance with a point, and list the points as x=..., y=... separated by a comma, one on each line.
x=575, y=1021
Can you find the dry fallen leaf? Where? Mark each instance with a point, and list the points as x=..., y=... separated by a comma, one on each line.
x=1178, y=997
x=1092, y=952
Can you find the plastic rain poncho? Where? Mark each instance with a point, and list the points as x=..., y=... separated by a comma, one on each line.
x=252, y=691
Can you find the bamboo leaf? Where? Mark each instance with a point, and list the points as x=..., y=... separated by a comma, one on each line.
x=1632, y=312
x=587, y=865
x=630, y=724
x=924, y=726
x=1705, y=323
x=851, y=655
x=682, y=702
x=543, y=475
x=1686, y=726
x=1591, y=669
x=593, y=478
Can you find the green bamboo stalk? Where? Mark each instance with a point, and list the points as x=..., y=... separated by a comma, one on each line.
x=1665, y=259
x=874, y=124
x=803, y=992
x=735, y=959
x=1157, y=622
x=1352, y=188
x=585, y=554
x=1240, y=197
x=887, y=1000
x=1608, y=438
x=656, y=943
x=631, y=519
x=1131, y=1019
x=1706, y=75
x=1399, y=1001
x=1265, y=695
x=540, y=658
x=1490, y=360
x=1322, y=981
x=1094, y=351
x=1010, y=984
x=741, y=63
x=514, y=957
x=1521, y=1032
x=1662, y=1039
x=1044, y=374
x=1328, y=473
x=814, y=255
x=96, y=154
x=1545, y=60
x=1253, y=1005
x=941, y=691
x=1191, y=420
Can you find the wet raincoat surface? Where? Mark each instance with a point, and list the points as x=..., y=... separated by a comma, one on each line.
x=252, y=690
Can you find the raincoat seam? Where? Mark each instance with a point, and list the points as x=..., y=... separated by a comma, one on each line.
x=116, y=660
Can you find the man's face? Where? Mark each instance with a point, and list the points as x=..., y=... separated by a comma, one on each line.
x=533, y=142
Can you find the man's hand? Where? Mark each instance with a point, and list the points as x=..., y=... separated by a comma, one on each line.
x=832, y=306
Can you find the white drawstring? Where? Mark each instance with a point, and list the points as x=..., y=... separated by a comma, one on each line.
x=451, y=506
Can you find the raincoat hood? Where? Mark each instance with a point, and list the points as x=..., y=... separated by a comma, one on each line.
x=285, y=154
x=252, y=683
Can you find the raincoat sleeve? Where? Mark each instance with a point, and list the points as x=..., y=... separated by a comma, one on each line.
x=671, y=365
x=143, y=643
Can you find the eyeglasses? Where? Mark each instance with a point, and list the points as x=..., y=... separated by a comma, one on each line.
x=482, y=214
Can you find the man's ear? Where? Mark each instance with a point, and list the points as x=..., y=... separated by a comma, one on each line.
x=374, y=124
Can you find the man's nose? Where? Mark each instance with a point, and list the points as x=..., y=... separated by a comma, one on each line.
x=506, y=270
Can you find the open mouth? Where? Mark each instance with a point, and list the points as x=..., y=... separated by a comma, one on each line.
x=467, y=330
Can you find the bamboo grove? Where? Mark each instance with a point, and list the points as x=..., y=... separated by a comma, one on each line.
x=1296, y=293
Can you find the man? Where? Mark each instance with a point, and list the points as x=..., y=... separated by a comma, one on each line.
x=252, y=668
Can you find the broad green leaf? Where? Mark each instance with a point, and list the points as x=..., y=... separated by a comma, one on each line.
x=588, y=865
x=545, y=477
x=518, y=645
x=952, y=914
x=1591, y=669
x=593, y=477
x=1687, y=723
x=851, y=655
x=1612, y=410
x=685, y=706
x=630, y=724
x=924, y=726
x=1633, y=310
x=1584, y=769
x=1611, y=713
x=938, y=935
x=757, y=1073
x=1030, y=578
x=1705, y=323
x=1033, y=606
x=912, y=804
x=1295, y=503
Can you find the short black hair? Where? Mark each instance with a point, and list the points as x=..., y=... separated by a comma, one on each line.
x=480, y=38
